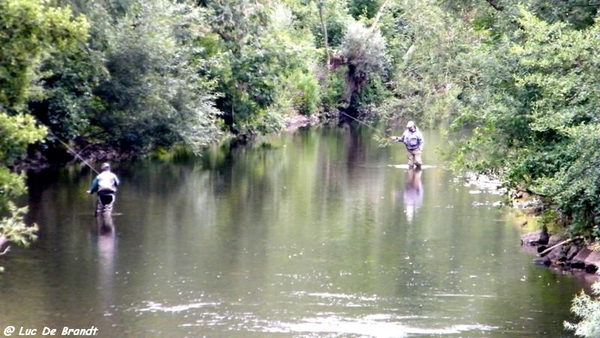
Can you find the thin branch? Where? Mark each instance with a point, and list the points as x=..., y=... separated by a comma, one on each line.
x=378, y=16
x=545, y=252
x=325, y=38
x=497, y=7
x=5, y=251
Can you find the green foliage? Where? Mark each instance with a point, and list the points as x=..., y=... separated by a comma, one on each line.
x=11, y=186
x=373, y=94
x=299, y=93
x=431, y=60
x=535, y=115
x=307, y=97
x=522, y=79
x=30, y=30
x=246, y=70
x=69, y=80
x=261, y=48
x=573, y=185
x=264, y=123
x=493, y=14
x=154, y=95
x=577, y=13
x=363, y=51
x=336, y=17
x=16, y=133
x=588, y=309
x=13, y=228
x=334, y=88
x=363, y=8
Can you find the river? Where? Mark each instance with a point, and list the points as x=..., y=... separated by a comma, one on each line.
x=306, y=234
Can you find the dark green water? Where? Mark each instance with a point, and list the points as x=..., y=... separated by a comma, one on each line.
x=310, y=234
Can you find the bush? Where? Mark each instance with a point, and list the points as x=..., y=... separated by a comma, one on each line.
x=588, y=309
x=300, y=93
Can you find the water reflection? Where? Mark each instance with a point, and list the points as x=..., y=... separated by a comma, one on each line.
x=104, y=225
x=413, y=193
x=103, y=231
x=294, y=240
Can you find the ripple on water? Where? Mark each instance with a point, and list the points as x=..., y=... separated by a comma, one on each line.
x=374, y=326
x=158, y=307
x=227, y=316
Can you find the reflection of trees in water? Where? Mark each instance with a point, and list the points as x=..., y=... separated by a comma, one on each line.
x=413, y=193
x=355, y=148
x=64, y=187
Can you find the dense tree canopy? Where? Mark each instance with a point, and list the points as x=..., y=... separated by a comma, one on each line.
x=534, y=115
x=30, y=32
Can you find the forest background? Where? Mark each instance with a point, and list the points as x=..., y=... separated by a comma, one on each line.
x=517, y=82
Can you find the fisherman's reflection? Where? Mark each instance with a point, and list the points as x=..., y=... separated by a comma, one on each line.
x=104, y=225
x=413, y=193
x=106, y=251
x=104, y=233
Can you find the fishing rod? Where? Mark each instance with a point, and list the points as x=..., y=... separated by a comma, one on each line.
x=73, y=152
x=364, y=124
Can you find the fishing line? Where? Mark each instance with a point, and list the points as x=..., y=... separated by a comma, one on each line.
x=364, y=124
x=73, y=152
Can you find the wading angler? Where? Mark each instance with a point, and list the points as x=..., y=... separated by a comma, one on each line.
x=413, y=140
x=105, y=185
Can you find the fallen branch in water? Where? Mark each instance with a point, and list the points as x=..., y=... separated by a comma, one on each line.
x=545, y=252
x=3, y=243
x=5, y=251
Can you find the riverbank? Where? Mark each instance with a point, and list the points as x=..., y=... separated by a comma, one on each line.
x=556, y=251
x=563, y=253
x=90, y=153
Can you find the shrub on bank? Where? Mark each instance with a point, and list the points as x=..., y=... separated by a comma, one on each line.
x=588, y=309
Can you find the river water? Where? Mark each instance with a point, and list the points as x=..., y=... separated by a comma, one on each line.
x=310, y=234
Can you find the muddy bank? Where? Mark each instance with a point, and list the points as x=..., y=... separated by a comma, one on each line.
x=300, y=121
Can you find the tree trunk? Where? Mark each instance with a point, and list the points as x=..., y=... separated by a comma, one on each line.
x=378, y=15
x=325, y=38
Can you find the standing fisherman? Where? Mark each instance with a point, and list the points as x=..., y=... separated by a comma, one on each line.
x=413, y=140
x=105, y=184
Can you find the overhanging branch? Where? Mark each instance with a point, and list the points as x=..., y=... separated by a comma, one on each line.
x=495, y=5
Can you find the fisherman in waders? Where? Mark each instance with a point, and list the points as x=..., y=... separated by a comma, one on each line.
x=105, y=184
x=413, y=140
